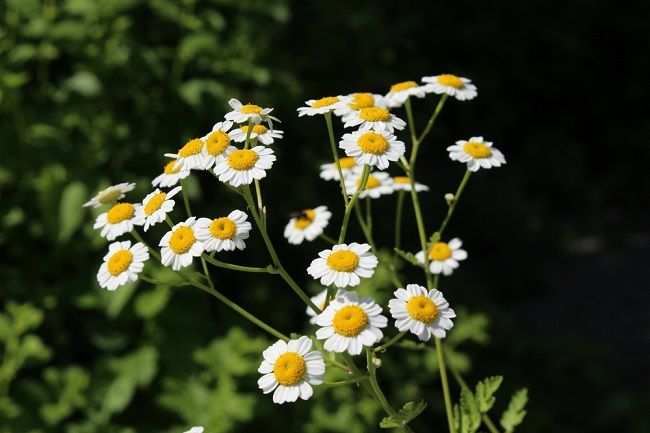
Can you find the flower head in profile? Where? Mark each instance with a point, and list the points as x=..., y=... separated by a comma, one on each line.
x=155, y=207
x=289, y=370
x=170, y=176
x=110, y=195
x=378, y=184
x=349, y=323
x=118, y=220
x=443, y=256
x=457, y=87
x=348, y=166
x=260, y=133
x=180, y=245
x=307, y=224
x=403, y=183
x=242, y=166
x=225, y=233
x=374, y=148
x=215, y=144
x=191, y=156
x=319, y=301
x=400, y=92
x=357, y=101
x=477, y=153
x=122, y=264
x=321, y=106
x=424, y=313
x=374, y=118
x=344, y=265
x=250, y=112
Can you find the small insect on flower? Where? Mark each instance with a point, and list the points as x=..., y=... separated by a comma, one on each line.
x=215, y=144
x=378, y=184
x=180, y=245
x=476, y=153
x=444, y=257
x=403, y=183
x=374, y=148
x=250, y=112
x=171, y=175
x=458, y=87
x=225, y=233
x=349, y=323
x=319, y=301
x=155, y=207
x=307, y=224
x=118, y=220
x=110, y=195
x=242, y=166
x=374, y=118
x=348, y=167
x=400, y=92
x=122, y=264
x=344, y=265
x=357, y=101
x=289, y=370
x=260, y=133
x=322, y=105
x=424, y=313
x=191, y=156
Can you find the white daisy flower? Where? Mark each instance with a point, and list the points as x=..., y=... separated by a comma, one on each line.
x=191, y=156
x=357, y=101
x=110, y=195
x=374, y=118
x=349, y=323
x=259, y=132
x=171, y=176
x=289, y=370
x=458, y=87
x=476, y=153
x=403, y=183
x=322, y=105
x=343, y=265
x=155, y=207
x=242, y=166
x=400, y=92
x=180, y=245
x=348, y=167
x=197, y=429
x=308, y=224
x=122, y=264
x=215, y=144
x=225, y=233
x=372, y=147
x=424, y=313
x=117, y=220
x=379, y=183
x=444, y=257
x=319, y=301
x=250, y=112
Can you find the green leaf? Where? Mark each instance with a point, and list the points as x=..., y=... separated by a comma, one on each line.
x=409, y=257
x=69, y=386
x=485, y=390
x=85, y=83
x=514, y=415
x=70, y=209
x=467, y=417
x=14, y=79
x=409, y=411
x=150, y=303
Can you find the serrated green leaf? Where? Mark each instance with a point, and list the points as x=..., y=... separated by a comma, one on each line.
x=485, y=390
x=71, y=213
x=150, y=303
x=467, y=417
x=514, y=415
x=407, y=413
x=409, y=257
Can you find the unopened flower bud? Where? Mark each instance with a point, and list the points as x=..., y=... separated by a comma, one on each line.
x=449, y=198
x=376, y=362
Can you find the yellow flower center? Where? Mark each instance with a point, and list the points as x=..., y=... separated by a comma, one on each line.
x=170, y=169
x=450, y=81
x=109, y=196
x=422, y=309
x=217, y=142
x=398, y=87
x=343, y=261
x=251, y=109
x=373, y=182
x=374, y=143
x=119, y=262
x=350, y=320
x=193, y=147
x=154, y=203
x=182, y=240
x=346, y=162
x=120, y=212
x=440, y=251
x=223, y=228
x=362, y=100
x=258, y=129
x=289, y=369
x=305, y=219
x=477, y=150
x=401, y=179
x=374, y=114
x=243, y=159
x=324, y=102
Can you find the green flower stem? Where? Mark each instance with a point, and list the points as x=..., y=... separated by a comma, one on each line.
x=368, y=201
x=452, y=206
x=409, y=118
x=268, y=270
x=327, y=239
x=260, y=204
x=433, y=118
x=169, y=222
x=445, y=384
x=335, y=153
x=436, y=281
x=390, y=342
x=154, y=281
x=365, y=229
x=344, y=382
x=348, y=208
x=186, y=200
x=249, y=130
x=421, y=231
x=398, y=219
x=138, y=238
x=274, y=256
